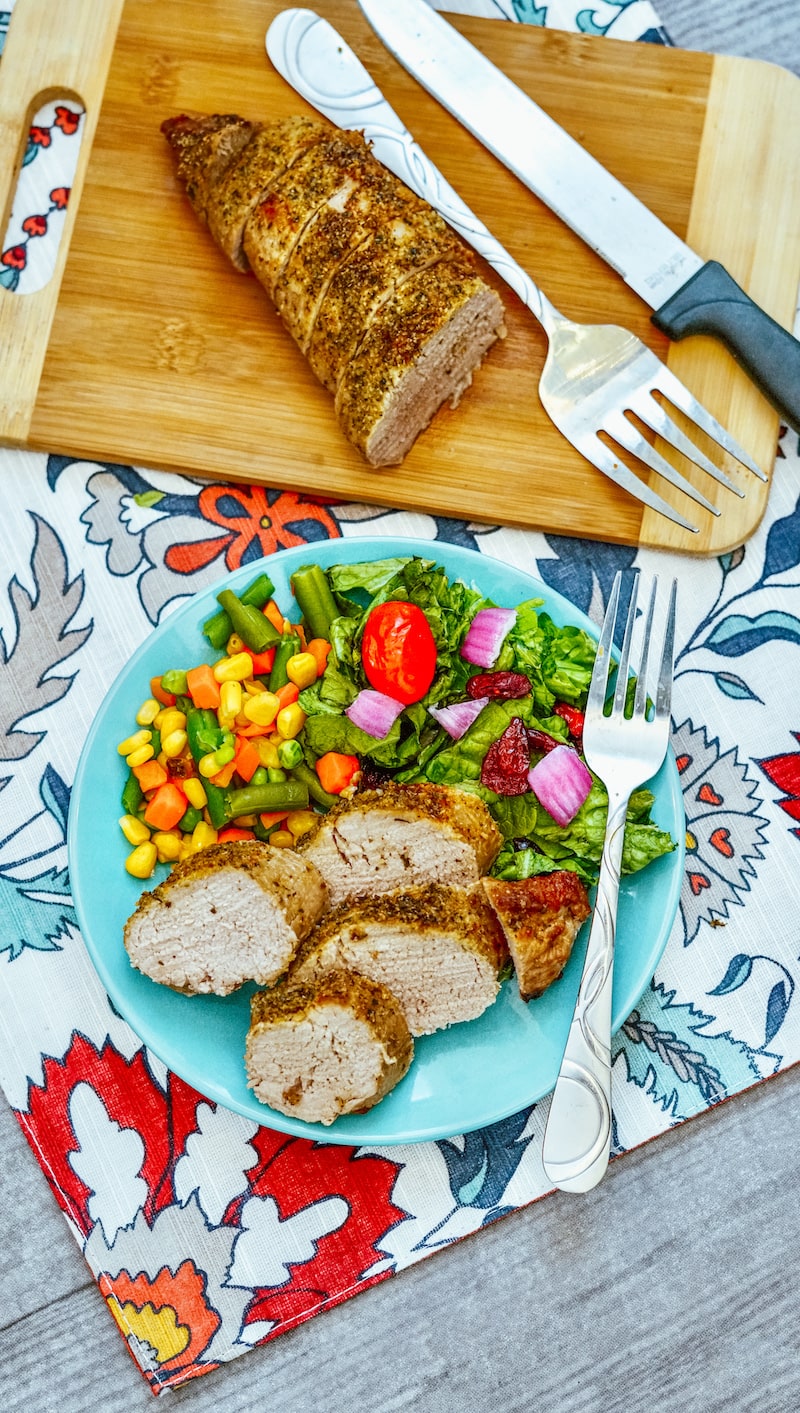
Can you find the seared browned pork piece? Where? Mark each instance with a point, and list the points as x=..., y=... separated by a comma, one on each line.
x=334, y=1047
x=232, y=913
x=541, y=917
x=400, y=837
x=438, y=949
x=297, y=201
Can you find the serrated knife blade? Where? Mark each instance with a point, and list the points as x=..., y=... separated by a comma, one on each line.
x=689, y=294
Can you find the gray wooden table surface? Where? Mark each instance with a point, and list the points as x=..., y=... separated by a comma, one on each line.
x=670, y=1288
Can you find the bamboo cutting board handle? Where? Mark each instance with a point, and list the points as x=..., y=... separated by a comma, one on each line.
x=52, y=51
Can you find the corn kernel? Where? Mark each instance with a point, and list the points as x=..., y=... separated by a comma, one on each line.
x=234, y=645
x=132, y=743
x=207, y=765
x=290, y=721
x=174, y=744
x=139, y=756
x=300, y=821
x=267, y=752
x=233, y=669
x=147, y=712
x=186, y=848
x=302, y=669
x=170, y=719
x=194, y=792
x=142, y=860
x=262, y=709
x=230, y=701
x=253, y=687
x=168, y=845
x=135, y=830
x=282, y=839
x=202, y=835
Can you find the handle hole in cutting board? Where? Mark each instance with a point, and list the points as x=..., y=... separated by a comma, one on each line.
x=45, y=172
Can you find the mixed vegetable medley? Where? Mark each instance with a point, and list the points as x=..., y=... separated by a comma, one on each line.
x=384, y=670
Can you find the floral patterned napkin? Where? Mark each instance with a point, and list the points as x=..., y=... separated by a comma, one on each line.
x=206, y=1233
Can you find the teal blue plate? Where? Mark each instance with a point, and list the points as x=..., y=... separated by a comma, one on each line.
x=461, y=1079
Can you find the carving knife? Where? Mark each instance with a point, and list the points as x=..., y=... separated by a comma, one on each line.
x=689, y=295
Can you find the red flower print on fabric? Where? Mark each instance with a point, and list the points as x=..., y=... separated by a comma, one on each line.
x=35, y=225
x=255, y=527
x=40, y=137
x=60, y=196
x=67, y=120
x=784, y=772
x=16, y=257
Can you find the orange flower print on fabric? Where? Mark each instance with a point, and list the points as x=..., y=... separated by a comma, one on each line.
x=67, y=120
x=35, y=225
x=256, y=525
x=40, y=137
x=168, y=1313
x=16, y=257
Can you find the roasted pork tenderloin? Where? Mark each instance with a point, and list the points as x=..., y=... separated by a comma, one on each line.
x=399, y=837
x=541, y=917
x=333, y=237
x=335, y=1046
x=233, y=912
x=439, y=950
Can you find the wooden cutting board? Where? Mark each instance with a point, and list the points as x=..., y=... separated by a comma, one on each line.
x=147, y=347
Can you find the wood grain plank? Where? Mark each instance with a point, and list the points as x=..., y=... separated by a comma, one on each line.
x=140, y=363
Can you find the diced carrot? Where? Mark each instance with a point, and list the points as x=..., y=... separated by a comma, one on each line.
x=224, y=776
x=273, y=817
x=247, y=760
x=203, y=686
x=262, y=662
x=252, y=730
x=150, y=775
x=157, y=691
x=319, y=649
x=232, y=831
x=336, y=771
x=167, y=807
x=287, y=694
x=273, y=613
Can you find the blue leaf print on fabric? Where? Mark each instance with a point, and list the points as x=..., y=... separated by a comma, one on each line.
x=739, y=969
x=308, y=530
x=777, y=1007
x=668, y=1055
x=739, y=634
x=583, y=565
x=528, y=13
x=480, y=1173
x=734, y=686
x=783, y=544
x=28, y=911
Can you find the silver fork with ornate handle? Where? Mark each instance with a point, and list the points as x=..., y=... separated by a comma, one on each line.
x=594, y=374
x=623, y=752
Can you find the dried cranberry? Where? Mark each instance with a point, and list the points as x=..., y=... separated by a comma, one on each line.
x=500, y=686
x=573, y=717
x=541, y=741
x=373, y=776
x=507, y=761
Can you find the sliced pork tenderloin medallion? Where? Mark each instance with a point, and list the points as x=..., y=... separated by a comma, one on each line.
x=232, y=913
x=400, y=837
x=439, y=950
x=336, y=1046
x=541, y=917
x=204, y=145
x=269, y=152
x=419, y=352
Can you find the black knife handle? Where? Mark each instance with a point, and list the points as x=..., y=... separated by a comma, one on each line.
x=711, y=302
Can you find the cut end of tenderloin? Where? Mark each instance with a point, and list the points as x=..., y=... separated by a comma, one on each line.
x=541, y=917
x=438, y=950
x=337, y=1046
x=234, y=912
x=401, y=837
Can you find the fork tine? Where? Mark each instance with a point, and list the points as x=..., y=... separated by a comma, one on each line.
x=598, y=685
x=623, y=667
x=674, y=389
x=640, y=700
x=598, y=453
x=654, y=416
x=664, y=688
x=616, y=424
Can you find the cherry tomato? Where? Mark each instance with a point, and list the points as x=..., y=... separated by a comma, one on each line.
x=398, y=651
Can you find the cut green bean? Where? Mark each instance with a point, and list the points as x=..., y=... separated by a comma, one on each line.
x=288, y=646
x=218, y=628
x=316, y=790
x=217, y=804
x=253, y=627
x=315, y=600
x=278, y=795
x=190, y=820
x=131, y=794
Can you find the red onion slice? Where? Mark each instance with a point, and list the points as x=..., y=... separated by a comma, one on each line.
x=458, y=718
x=560, y=781
x=486, y=634
x=374, y=712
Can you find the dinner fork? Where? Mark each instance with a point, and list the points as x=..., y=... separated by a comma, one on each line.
x=594, y=374
x=623, y=752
